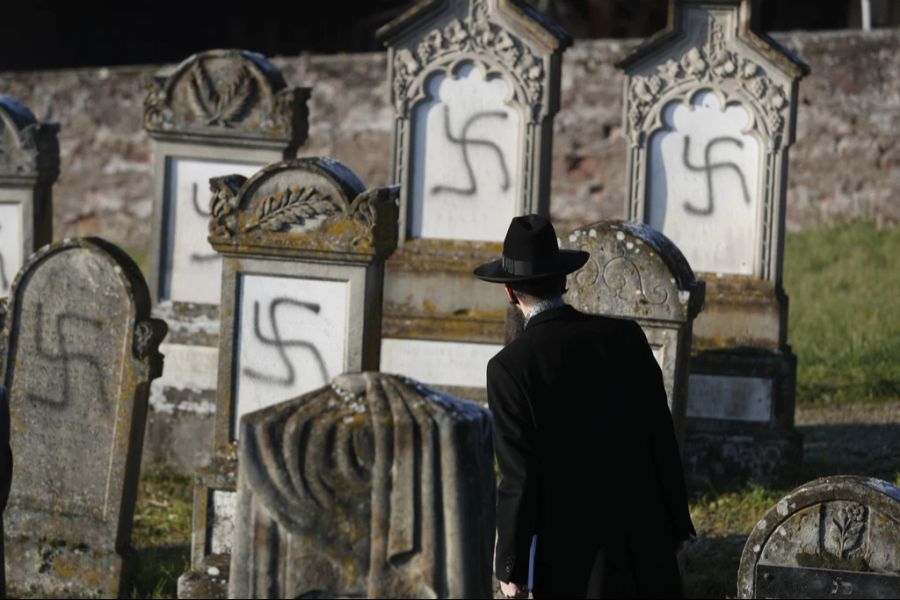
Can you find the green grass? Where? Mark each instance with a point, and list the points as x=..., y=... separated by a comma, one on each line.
x=844, y=321
x=162, y=533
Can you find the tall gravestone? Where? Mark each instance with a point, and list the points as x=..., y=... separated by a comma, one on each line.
x=474, y=86
x=219, y=112
x=374, y=486
x=835, y=537
x=710, y=111
x=304, y=246
x=81, y=352
x=635, y=272
x=29, y=164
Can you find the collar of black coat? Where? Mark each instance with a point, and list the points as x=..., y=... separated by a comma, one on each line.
x=549, y=315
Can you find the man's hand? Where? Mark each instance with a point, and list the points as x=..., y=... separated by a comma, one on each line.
x=513, y=590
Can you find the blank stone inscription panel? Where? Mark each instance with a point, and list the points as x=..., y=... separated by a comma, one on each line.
x=703, y=184
x=10, y=244
x=193, y=270
x=465, y=158
x=291, y=338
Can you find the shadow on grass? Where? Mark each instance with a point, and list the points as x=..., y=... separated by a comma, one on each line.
x=710, y=565
x=869, y=449
x=156, y=570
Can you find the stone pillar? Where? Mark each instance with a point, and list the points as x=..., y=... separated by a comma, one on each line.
x=710, y=111
x=637, y=273
x=304, y=246
x=81, y=350
x=392, y=495
x=833, y=537
x=217, y=113
x=474, y=85
x=29, y=164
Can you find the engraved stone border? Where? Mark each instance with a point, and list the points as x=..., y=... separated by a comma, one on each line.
x=500, y=37
x=874, y=493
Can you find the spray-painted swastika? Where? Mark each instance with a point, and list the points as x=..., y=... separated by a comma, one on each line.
x=709, y=168
x=465, y=143
x=77, y=327
x=280, y=345
x=196, y=256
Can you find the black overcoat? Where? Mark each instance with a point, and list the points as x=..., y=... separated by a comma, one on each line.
x=588, y=460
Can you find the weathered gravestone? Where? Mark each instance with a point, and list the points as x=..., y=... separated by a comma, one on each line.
x=219, y=112
x=832, y=537
x=81, y=352
x=474, y=87
x=304, y=246
x=637, y=273
x=29, y=164
x=374, y=486
x=710, y=109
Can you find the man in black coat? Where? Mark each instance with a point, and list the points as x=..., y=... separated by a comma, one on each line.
x=587, y=452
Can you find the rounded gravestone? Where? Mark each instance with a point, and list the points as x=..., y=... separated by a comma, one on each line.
x=835, y=536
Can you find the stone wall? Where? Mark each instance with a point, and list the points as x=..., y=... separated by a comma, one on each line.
x=845, y=163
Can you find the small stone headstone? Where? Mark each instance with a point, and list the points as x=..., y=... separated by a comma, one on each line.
x=304, y=245
x=374, y=486
x=635, y=272
x=29, y=164
x=217, y=113
x=835, y=537
x=474, y=88
x=81, y=352
x=710, y=113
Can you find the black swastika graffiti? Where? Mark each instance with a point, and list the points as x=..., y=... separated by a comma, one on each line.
x=465, y=143
x=72, y=330
x=709, y=168
x=281, y=345
x=196, y=256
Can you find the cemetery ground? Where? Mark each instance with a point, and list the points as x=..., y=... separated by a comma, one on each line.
x=843, y=284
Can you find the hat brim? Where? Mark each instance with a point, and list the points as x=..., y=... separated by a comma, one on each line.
x=567, y=262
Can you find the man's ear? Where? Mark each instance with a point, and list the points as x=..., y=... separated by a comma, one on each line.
x=511, y=295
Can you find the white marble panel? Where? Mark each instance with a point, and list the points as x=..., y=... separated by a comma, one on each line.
x=703, y=183
x=10, y=244
x=193, y=270
x=291, y=338
x=438, y=363
x=222, y=517
x=191, y=367
x=465, y=158
x=730, y=398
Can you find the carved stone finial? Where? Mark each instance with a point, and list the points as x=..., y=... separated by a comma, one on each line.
x=302, y=206
x=28, y=148
x=226, y=94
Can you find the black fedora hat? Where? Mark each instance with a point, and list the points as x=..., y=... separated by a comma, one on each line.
x=530, y=251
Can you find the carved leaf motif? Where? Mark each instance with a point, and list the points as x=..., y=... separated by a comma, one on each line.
x=203, y=95
x=292, y=207
x=235, y=100
x=221, y=109
x=849, y=525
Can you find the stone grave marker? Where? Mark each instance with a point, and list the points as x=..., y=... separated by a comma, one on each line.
x=637, y=273
x=81, y=352
x=474, y=86
x=217, y=113
x=373, y=486
x=304, y=246
x=29, y=164
x=710, y=111
x=832, y=537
